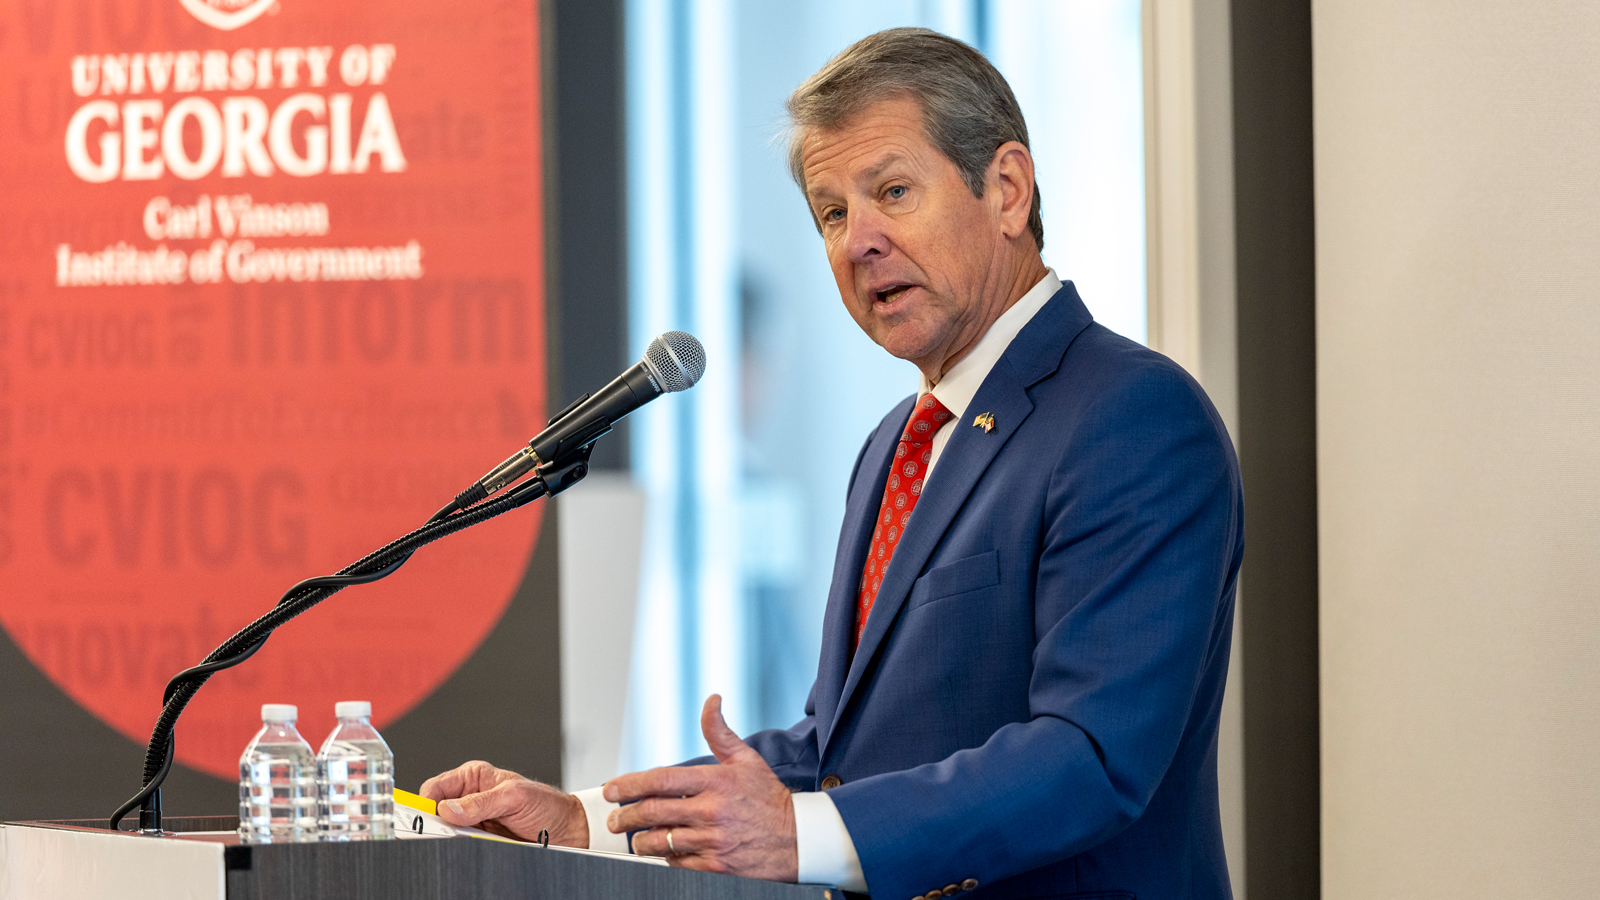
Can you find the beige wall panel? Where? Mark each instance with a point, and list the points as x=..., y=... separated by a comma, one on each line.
x=1458, y=352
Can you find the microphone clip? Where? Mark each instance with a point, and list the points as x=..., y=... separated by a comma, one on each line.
x=569, y=465
x=558, y=475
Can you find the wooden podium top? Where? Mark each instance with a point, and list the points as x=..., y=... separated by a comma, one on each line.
x=204, y=860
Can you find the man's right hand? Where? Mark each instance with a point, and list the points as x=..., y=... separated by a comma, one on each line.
x=508, y=804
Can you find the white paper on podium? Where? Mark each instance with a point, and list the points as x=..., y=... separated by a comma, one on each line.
x=412, y=824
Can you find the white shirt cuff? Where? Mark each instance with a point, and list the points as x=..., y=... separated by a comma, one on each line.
x=827, y=854
x=598, y=808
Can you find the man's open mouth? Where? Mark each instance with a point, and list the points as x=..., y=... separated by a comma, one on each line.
x=891, y=293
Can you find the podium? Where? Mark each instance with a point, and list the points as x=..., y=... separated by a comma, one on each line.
x=204, y=860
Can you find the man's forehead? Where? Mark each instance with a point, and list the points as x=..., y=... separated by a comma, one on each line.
x=866, y=165
x=867, y=144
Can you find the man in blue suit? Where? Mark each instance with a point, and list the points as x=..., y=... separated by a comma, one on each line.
x=1027, y=633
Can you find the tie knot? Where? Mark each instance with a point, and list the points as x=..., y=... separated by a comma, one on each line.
x=926, y=419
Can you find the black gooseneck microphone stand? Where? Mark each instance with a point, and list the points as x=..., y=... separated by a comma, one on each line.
x=470, y=508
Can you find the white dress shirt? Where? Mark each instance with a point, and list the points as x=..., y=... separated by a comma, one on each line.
x=827, y=853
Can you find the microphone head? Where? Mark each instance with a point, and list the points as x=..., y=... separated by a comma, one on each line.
x=676, y=359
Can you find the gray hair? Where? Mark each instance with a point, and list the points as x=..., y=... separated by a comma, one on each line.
x=968, y=109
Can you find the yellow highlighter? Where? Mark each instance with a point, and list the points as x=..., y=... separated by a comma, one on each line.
x=416, y=801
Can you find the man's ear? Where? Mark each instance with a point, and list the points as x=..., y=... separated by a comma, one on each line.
x=1011, y=178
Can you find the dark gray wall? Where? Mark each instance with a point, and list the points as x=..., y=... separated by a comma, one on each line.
x=1277, y=423
x=587, y=163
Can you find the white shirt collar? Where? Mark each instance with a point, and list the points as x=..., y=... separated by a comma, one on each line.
x=958, y=386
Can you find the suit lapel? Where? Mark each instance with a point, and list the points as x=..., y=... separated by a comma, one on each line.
x=964, y=460
x=861, y=510
x=1033, y=355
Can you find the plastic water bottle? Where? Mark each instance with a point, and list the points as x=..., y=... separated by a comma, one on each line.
x=355, y=773
x=278, y=781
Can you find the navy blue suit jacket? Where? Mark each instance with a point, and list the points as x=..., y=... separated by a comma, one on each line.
x=1034, y=703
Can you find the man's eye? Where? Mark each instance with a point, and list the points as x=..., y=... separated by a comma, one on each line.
x=833, y=215
x=896, y=192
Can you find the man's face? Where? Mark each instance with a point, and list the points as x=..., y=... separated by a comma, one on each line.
x=915, y=254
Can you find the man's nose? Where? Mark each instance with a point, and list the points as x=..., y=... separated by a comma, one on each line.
x=865, y=238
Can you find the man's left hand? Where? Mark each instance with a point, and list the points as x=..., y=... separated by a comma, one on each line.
x=735, y=818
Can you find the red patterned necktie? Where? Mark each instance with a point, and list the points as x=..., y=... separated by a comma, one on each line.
x=900, y=495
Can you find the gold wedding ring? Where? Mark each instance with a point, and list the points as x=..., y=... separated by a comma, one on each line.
x=671, y=849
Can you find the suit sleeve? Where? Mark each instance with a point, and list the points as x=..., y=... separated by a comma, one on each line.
x=1140, y=539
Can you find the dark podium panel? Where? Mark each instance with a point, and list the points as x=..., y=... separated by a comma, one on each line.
x=64, y=858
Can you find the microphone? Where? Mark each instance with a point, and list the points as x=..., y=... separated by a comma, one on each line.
x=673, y=362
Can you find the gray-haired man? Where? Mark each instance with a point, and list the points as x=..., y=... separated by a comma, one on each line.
x=1023, y=655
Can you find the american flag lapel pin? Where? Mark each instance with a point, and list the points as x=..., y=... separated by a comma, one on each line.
x=984, y=421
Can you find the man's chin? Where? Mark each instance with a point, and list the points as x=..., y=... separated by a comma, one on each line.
x=907, y=341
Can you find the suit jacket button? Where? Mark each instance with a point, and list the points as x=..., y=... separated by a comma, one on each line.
x=933, y=895
x=969, y=884
x=950, y=890
x=830, y=782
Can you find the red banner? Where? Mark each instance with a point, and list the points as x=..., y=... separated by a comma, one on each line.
x=270, y=294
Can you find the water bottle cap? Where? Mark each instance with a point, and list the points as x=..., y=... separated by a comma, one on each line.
x=353, y=709
x=279, y=712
